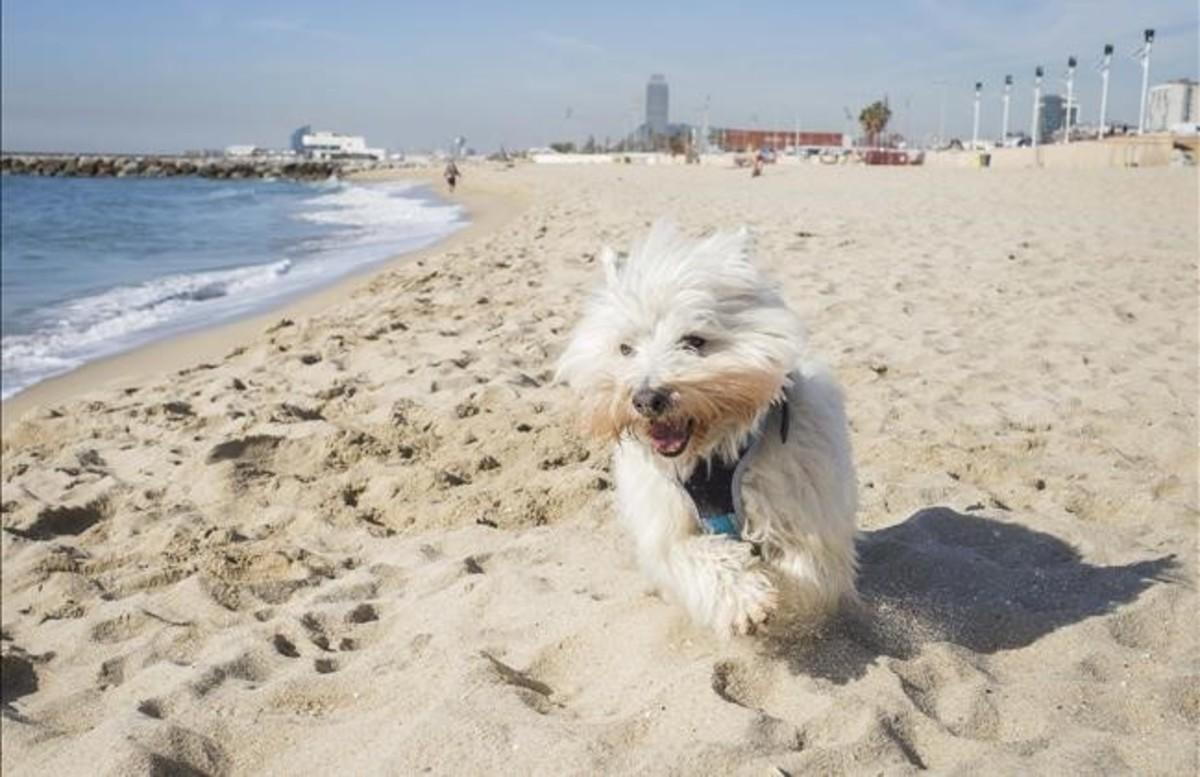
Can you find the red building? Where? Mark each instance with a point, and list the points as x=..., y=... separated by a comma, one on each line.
x=732, y=139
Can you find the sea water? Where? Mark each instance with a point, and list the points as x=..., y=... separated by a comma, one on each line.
x=90, y=267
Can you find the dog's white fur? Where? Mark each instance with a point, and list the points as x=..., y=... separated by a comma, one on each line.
x=798, y=497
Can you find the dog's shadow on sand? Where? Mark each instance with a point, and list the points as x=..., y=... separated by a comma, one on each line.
x=980, y=583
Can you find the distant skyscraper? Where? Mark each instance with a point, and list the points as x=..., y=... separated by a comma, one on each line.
x=298, y=138
x=657, y=100
x=1052, y=116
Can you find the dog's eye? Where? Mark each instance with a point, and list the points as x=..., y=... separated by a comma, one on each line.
x=693, y=342
x=626, y=349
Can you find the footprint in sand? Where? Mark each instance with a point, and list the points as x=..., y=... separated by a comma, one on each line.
x=250, y=667
x=18, y=677
x=119, y=629
x=331, y=631
x=284, y=646
x=65, y=520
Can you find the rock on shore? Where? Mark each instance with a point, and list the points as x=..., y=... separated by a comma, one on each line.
x=143, y=166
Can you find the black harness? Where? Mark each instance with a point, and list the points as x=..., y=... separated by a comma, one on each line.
x=711, y=488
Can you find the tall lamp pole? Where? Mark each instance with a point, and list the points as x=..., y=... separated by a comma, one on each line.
x=1104, y=66
x=1037, y=99
x=975, y=124
x=1144, y=54
x=1071, y=97
x=1004, y=122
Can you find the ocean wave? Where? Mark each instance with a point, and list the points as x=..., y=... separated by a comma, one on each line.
x=174, y=290
x=365, y=224
x=332, y=182
x=82, y=329
x=230, y=193
x=381, y=206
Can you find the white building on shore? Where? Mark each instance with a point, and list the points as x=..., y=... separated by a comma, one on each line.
x=1174, y=107
x=323, y=144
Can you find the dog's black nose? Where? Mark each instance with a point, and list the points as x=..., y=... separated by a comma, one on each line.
x=651, y=402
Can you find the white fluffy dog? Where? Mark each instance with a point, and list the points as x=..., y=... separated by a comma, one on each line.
x=732, y=464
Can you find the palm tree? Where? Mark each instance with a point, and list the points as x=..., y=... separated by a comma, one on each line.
x=874, y=119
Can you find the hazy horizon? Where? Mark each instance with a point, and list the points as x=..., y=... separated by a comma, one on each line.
x=188, y=75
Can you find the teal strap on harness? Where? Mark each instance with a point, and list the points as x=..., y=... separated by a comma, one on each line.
x=720, y=524
x=711, y=488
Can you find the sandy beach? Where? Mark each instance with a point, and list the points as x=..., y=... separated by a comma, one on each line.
x=363, y=535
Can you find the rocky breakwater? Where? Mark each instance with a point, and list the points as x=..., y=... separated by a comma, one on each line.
x=113, y=166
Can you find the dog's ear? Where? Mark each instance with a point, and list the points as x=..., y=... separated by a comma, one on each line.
x=741, y=244
x=729, y=248
x=612, y=264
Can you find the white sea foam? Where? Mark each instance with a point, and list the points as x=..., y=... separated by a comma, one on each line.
x=230, y=193
x=378, y=207
x=368, y=223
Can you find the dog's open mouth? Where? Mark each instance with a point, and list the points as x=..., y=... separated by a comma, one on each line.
x=670, y=438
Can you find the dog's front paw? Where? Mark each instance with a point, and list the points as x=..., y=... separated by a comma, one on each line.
x=723, y=584
x=744, y=602
x=752, y=600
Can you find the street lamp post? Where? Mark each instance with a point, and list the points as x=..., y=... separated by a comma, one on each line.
x=1104, y=66
x=1070, y=98
x=1145, y=57
x=975, y=123
x=1037, y=99
x=1004, y=122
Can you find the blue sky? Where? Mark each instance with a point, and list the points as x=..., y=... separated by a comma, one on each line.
x=167, y=76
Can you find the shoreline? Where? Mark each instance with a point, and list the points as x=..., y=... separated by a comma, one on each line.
x=486, y=209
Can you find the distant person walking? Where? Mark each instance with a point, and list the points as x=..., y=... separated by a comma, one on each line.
x=760, y=159
x=451, y=175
